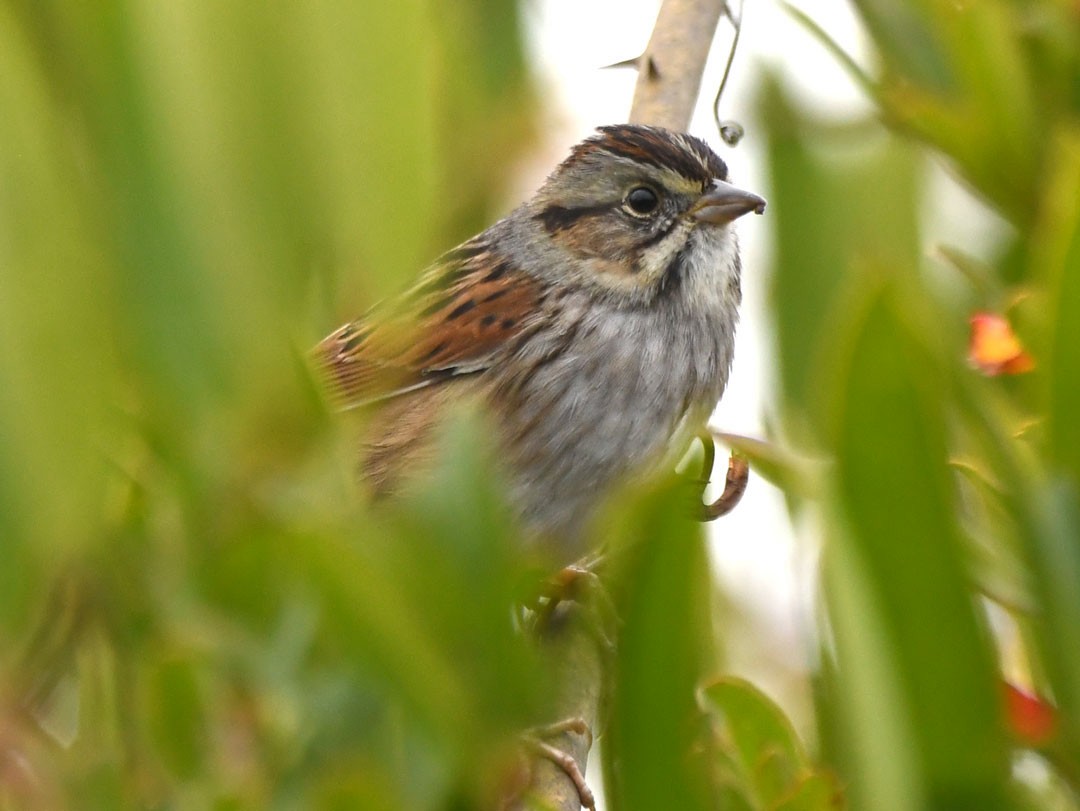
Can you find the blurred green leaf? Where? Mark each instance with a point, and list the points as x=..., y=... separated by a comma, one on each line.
x=866, y=718
x=909, y=42
x=175, y=712
x=1056, y=263
x=190, y=194
x=778, y=465
x=972, y=80
x=814, y=792
x=756, y=726
x=662, y=655
x=1049, y=504
x=993, y=87
x=891, y=462
x=1055, y=552
x=826, y=214
x=57, y=366
x=424, y=594
x=771, y=763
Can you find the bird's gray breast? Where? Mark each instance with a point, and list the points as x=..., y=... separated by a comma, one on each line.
x=599, y=396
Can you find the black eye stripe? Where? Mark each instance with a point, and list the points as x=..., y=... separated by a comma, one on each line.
x=560, y=218
x=556, y=218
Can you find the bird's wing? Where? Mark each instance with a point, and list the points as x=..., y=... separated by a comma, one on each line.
x=455, y=321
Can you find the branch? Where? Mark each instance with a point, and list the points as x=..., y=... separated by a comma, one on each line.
x=569, y=637
x=670, y=70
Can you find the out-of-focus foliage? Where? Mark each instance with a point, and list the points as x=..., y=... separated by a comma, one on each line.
x=953, y=483
x=661, y=659
x=194, y=609
x=759, y=760
x=678, y=735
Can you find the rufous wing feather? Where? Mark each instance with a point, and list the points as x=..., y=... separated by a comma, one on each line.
x=463, y=313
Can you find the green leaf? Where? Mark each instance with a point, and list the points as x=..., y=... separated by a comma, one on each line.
x=661, y=589
x=777, y=464
x=902, y=553
x=1056, y=262
x=177, y=718
x=857, y=74
x=910, y=43
x=190, y=195
x=825, y=216
x=1055, y=549
x=420, y=598
x=768, y=749
x=761, y=753
x=815, y=792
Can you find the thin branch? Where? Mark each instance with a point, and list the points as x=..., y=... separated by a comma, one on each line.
x=569, y=636
x=682, y=37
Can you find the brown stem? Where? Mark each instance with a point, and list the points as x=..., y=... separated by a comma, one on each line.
x=671, y=67
x=569, y=637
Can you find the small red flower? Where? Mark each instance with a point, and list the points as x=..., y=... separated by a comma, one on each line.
x=994, y=348
x=1030, y=718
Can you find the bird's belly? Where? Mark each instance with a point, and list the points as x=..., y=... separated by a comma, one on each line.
x=587, y=419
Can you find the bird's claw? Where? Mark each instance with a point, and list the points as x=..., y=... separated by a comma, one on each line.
x=534, y=739
x=738, y=475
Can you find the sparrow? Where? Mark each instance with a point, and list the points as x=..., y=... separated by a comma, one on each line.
x=596, y=324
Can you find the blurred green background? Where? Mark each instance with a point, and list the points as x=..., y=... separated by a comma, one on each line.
x=196, y=613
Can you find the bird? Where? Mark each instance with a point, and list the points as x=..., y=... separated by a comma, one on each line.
x=595, y=323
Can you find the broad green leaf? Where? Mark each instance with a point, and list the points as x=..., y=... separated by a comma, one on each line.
x=1056, y=262
x=1055, y=553
x=763, y=737
x=661, y=589
x=57, y=362
x=758, y=753
x=902, y=541
x=422, y=601
x=866, y=719
x=987, y=50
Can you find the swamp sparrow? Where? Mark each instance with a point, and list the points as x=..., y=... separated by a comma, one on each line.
x=596, y=322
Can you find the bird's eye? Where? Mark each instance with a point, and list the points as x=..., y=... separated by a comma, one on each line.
x=642, y=200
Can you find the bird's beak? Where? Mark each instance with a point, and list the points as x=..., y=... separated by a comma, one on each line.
x=726, y=203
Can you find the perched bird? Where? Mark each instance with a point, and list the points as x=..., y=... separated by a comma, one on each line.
x=596, y=322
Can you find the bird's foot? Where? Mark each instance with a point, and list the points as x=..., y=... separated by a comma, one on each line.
x=537, y=740
x=580, y=583
x=738, y=474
